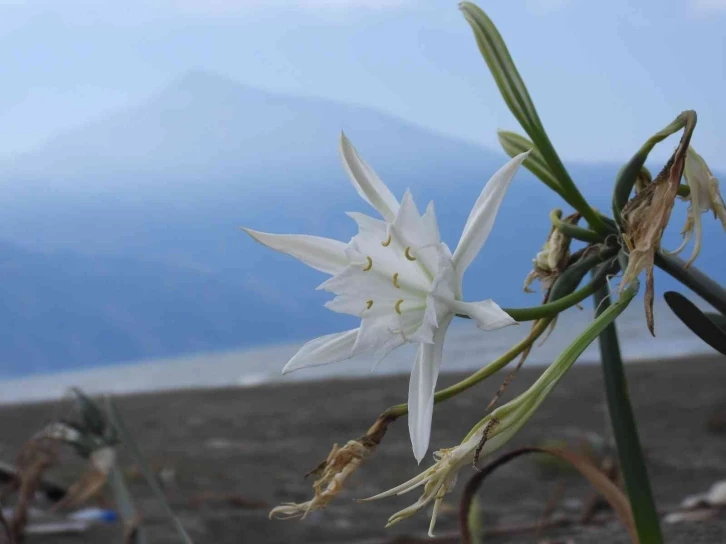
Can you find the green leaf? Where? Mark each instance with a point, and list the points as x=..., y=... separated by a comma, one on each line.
x=515, y=94
x=625, y=431
x=700, y=324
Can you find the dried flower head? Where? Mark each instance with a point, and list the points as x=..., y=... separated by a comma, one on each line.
x=645, y=218
x=552, y=259
x=704, y=195
x=341, y=463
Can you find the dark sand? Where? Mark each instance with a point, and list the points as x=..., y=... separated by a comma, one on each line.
x=257, y=443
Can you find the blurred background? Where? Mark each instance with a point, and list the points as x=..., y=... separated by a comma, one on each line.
x=138, y=136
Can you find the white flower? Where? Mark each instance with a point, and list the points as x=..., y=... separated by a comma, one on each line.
x=400, y=279
x=704, y=196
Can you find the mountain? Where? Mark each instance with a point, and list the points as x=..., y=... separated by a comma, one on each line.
x=122, y=236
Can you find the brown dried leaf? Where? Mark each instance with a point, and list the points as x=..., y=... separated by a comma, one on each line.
x=615, y=497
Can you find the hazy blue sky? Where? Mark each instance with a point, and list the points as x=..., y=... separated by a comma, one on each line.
x=604, y=74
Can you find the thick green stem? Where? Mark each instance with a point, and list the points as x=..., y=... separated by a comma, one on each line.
x=632, y=462
x=694, y=279
x=551, y=309
x=573, y=231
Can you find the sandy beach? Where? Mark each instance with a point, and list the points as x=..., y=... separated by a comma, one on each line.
x=230, y=454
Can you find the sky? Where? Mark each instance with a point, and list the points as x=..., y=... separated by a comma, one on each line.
x=604, y=75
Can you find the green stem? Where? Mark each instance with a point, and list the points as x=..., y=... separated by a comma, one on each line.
x=553, y=308
x=694, y=279
x=573, y=231
x=481, y=374
x=632, y=462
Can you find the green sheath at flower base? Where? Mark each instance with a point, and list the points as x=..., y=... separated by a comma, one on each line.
x=515, y=94
x=628, y=174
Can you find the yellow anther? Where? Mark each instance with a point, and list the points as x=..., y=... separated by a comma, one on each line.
x=408, y=254
x=398, y=306
x=369, y=304
x=387, y=242
x=369, y=265
x=395, y=281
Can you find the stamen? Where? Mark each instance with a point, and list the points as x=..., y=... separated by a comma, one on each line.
x=369, y=265
x=369, y=304
x=387, y=242
x=398, y=306
x=408, y=254
x=395, y=281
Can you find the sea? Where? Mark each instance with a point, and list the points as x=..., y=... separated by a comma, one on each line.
x=466, y=349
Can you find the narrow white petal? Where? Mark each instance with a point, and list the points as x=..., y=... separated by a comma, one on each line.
x=324, y=350
x=481, y=219
x=421, y=391
x=487, y=314
x=366, y=182
x=417, y=481
x=319, y=253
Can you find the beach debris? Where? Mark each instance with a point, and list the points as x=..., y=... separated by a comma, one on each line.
x=10, y=476
x=43, y=522
x=701, y=506
x=35, y=457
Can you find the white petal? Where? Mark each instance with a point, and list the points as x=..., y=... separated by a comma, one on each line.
x=385, y=333
x=421, y=391
x=417, y=481
x=319, y=253
x=430, y=225
x=481, y=218
x=440, y=299
x=324, y=350
x=408, y=221
x=369, y=226
x=487, y=314
x=366, y=182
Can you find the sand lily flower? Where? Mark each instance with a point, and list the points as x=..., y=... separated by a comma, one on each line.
x=400, y=279
x=704, y=196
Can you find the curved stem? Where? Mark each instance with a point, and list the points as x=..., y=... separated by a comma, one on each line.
x=694, y=279
x=481, y=374
x=573, y=231
x=551, y=309
x=630, y=454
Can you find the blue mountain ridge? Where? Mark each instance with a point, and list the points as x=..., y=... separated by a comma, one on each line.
x=121, y=237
